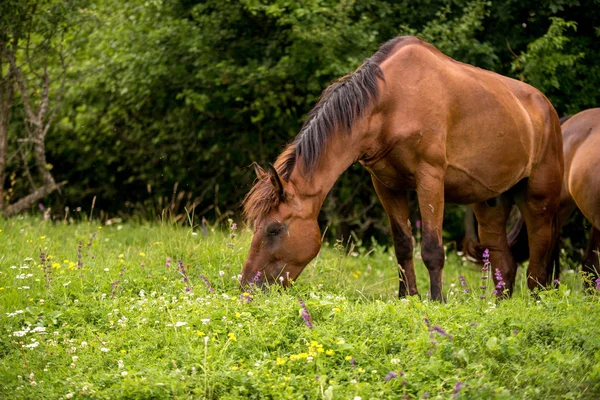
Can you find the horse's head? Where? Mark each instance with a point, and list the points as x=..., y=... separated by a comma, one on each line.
x=286, y=232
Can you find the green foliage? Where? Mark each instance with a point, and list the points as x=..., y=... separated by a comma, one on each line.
x=545, y=61
x=123, y=324
x=189, y=92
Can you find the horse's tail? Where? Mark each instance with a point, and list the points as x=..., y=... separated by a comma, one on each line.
x=470, y=243
x=518, y=241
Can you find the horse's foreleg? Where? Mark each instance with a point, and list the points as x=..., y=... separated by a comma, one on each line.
x=430, y=193
x=395, y=204
x=591, y=260
x=492, y=235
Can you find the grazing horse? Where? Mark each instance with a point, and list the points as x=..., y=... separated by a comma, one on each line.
x=580, y=189
x=416, y=120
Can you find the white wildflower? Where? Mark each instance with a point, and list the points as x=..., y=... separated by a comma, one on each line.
x=104, y=350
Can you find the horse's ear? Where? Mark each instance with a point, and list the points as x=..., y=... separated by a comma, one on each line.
x=260, y=173
x=276, y=180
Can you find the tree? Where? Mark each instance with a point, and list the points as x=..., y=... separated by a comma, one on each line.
x=33, y=70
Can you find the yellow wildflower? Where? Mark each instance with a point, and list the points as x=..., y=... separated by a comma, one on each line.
x=303, y=355
x=320, y=350
x=199, y=333
x=235, y=368
x=348, y=358
x=42, y=237
x=280, y=361
x=336, y=309
x=330, y=352
x=293, y=357
x=55, y=265
x=121, y=255
x=142, y=254
x=123, y=351
x=232, y=337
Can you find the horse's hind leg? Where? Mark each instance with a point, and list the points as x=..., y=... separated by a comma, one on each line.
x=492, y=235
x=539, y=210
x=395, y=204
x=591, y=263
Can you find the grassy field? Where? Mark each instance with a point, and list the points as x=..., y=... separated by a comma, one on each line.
x=108, y=312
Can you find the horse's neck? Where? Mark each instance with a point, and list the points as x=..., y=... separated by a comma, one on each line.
x=339, y=155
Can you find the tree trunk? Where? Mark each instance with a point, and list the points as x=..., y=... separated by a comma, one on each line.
x=6, y=98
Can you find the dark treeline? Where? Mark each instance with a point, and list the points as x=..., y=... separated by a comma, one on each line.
x=161, y=93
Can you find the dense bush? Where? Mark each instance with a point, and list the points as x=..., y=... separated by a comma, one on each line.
x=190, y=93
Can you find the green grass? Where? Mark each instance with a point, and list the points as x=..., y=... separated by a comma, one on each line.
x=124, y=326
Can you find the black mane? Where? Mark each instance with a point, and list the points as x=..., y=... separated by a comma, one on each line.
x=340, y=105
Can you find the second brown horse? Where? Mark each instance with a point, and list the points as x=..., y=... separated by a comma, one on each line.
x=416, y=120
x=580, y=189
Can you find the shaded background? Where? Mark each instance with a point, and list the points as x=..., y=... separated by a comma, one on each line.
x=168, y=102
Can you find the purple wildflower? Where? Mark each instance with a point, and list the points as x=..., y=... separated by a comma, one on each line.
x=457, y=389
x=246, y=297
x=425, y=395
x=484, y=271
x=79, y=255
x=418, y=223
x=92, y=237
x=463, y=283
x=441, y=332
x=427, y=322
x=500, y=286
x=207, y=282
x=353, y=362
x=305, y=314
x=598, y=283
x=391, y=375
x=41, y=207
x=113, y=289
x=256, y=277
x=182, y=271
x=168, y=263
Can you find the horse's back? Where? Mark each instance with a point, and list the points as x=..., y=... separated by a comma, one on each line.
x=496, y=130
x=581, y=136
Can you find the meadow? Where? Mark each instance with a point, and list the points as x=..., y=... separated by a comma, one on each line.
x=153, y=311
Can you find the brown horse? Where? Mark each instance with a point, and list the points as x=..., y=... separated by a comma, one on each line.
x=580, y=189
x=416, y=120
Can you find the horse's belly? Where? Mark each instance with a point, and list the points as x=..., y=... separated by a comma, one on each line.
x=467, y=184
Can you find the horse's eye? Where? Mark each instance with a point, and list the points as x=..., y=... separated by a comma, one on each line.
x=274, y=229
